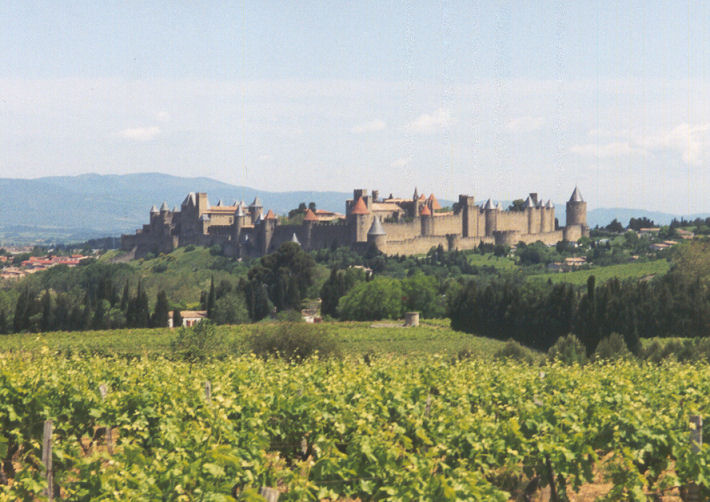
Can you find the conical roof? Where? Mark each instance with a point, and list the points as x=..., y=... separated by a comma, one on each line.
x=360, y=207
x=294, y=238
x=256, y=203
x=376, y=228
x=499, y=206
x=240, y=211
x=489, y=204
x=576, y=196
x=310, y=216
x=219, y=203
x=270, y=215
x=529, y=203
x=189, y=199
x=433, y=203
x=164, y=206
x=549, y=204
x=175, y=209
x=416, y=194
x=425, y=211
x=153, y=209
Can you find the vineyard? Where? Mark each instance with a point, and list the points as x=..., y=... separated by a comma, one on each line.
x=386, y=427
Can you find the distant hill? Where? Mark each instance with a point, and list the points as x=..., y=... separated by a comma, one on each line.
x=76, y=208
x=603, y=216
x=73, y=208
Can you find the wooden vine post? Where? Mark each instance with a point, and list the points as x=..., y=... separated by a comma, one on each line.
x=109, y=433
x=692, y=491
x=270, y=494
x=208, y=390
x=47, y=459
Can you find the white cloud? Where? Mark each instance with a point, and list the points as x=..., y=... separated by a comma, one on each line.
x=401, y=162
x=608, y=150
x=266, y=158
x=162, y=116
x=525, y=124
x=431, y=122
x=140, y=133
x=371, y=126
x=687, y=140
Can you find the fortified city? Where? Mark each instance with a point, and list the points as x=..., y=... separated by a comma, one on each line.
x=395, y=226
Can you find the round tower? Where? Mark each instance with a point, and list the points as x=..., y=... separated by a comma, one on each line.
x=576, y=209
x=377, y=236
x=358, y=219
x=427, y=220
x=491, y=217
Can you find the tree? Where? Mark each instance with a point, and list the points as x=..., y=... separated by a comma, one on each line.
x=211, y=299
x=47, y=322
x=615, y=226
x=380, y=298
x=161, y=312
x=639, y=223
x=177, y=317
x=231, y=309
x=517, y=205
x=287, y=274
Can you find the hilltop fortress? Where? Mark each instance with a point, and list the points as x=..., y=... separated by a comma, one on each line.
x=393, y=225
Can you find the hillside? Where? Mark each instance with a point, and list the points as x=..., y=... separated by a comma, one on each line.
x=74, y=208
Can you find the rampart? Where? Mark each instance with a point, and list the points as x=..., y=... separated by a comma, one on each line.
x=401, y=226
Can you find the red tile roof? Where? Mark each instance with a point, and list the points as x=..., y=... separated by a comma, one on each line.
x=425, y=211
x=433, y=203
x=310, y=216
x=360, y=207
x=270, y=215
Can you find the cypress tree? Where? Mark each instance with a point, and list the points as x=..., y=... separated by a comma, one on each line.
x=142, y=311
x=160, y=315
x=46, y=322
x=211, y=299
x=3, y=323
x=21, y=320
x=125, y=297
x=177, y=318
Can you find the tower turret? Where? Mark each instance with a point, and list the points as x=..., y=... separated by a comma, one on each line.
x=576, y=209
x=377, y=236
x=358, y=219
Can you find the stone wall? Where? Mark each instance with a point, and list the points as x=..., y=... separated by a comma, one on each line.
x=447, y=224
x=405, y=230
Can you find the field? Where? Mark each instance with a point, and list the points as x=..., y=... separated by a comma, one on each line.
x=355, y=338
x=602, y=274
x=389, y=428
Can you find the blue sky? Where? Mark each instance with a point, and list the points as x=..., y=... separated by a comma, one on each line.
x=490, y=98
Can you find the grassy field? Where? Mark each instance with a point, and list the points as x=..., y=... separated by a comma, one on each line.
x=353, y=337
x=622, y=271
x=490, y=260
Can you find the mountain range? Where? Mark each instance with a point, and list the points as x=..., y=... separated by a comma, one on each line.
x=76, y=208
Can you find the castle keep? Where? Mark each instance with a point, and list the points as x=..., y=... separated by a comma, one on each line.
x=393, y=225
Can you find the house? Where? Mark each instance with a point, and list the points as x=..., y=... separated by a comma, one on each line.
x=189, y=317
x=684, y=234
x=649, y=231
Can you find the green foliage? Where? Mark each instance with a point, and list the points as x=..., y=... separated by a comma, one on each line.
x=293, y=341
x=196, y=343
x=231, y=309
x=161, y=312
x=287, y=275
x=612, y=347
x=337, y=285
x=516, y=352
x=568, y=350
x=380, y=298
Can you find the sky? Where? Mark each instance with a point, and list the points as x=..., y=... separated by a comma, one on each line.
x=493, y=99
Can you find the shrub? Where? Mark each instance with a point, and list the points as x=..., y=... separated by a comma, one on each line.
x=612, y=347
x=231, y=309
x=196, y=343
x=289, y=315
x=292, y=341
x=513, y=350
x=568, y=350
